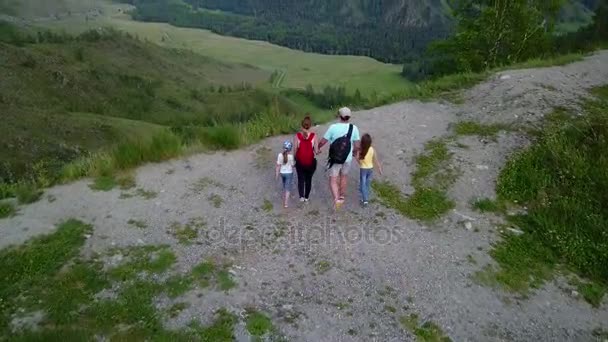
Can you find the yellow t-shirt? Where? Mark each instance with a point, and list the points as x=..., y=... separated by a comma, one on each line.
x=368, y=161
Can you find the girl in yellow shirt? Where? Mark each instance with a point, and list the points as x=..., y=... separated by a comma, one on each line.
x=367, y=160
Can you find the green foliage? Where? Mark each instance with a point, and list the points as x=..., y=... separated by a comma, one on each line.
x=432, y=178
x=221, y=330
x=7, y=209
x=488, y=205
x=492, y=33
x=27, y=192
x=475, y=128
x=426, y=332
x=561, y=180
x=103, y=183
x=258, y=324
x=33, y=266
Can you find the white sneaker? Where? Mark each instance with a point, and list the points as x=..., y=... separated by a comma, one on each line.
x=306, y=200
x=302, y=199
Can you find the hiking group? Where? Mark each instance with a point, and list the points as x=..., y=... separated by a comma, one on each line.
x=345, y=143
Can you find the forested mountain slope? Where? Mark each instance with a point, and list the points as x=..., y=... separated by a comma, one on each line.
x=388, y=30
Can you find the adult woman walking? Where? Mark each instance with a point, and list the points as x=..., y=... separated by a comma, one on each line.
x=305, y=146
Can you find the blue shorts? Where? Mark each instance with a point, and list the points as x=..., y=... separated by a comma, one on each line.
x=287, y=180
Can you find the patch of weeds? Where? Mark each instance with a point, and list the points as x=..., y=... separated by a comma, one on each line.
x=103, y=183
x=27, y=193
x=258, y=324
x=462, y=146
x=126, y=182
x=177, y=285
x=203, y=273
x=7, y=209
x=51, y=198
x=207, y=273
x=142, y=260
x=323, y=266
x=31, y=280
x=488, y=205
x=600, y=333
x=560, y=180
x=432, y=178
x=426, y=204
x=592, y=292
x=390, y=308
x=224, y=280
x=146, y=194
x=221, y=330
x=138, y=223
x=427, y=332
x=263, y=156
x=342, y=306
x=176, y=309
x=471, y=260
x=185, y=234
x=482, y=130
x=216, y=200
x=352, y=332
x=267, y=206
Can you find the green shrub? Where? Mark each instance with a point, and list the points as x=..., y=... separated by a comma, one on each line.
x=27, y=192
x=222, y=137
x=6, y=210
x=7, y=190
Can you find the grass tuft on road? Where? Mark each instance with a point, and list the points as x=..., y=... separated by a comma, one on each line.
x=432, y=178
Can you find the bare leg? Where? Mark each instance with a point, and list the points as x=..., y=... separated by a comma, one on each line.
x=343, y=183
x=333, y=185
x=286, y=199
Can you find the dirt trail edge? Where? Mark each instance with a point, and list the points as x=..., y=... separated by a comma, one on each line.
x=325, y=276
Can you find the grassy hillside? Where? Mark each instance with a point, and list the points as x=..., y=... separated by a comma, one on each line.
x=299, y=68
x=62, y=97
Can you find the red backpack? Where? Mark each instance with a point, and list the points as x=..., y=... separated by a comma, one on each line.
x=305, y=156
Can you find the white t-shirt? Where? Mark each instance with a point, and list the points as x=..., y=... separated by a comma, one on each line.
x=286, y=168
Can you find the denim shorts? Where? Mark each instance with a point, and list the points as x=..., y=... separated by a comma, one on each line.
x=287, y=180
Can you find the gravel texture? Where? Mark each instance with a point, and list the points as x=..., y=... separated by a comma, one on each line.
x=325, y=276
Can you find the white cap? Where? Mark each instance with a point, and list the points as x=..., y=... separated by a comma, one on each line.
x=345, y=112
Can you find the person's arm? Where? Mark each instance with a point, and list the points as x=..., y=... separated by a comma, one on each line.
x=377, y=163
x=357, y=142
x=278, y=167
x=325, y=139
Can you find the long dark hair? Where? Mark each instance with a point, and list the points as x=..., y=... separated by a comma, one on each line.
x=306, y=124
x=366, y=143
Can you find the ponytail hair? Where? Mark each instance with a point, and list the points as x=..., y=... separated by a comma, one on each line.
x=366, y=143
x=285, y=157
x=306, y=124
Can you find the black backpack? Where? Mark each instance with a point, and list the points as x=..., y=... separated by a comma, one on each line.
x=340, y=149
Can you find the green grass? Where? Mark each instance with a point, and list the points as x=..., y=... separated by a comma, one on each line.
x=27, y=192
x=184, y=233
x=103, y=183
x=559, y=60
x=482, y=130
x=47, y=274
x=592, y=292
x=487, y=205
x=299, y=68
x=431, y=179
x=258, y=324
x=138, y=223
x=426, y=332
x=267, y=206
x=216, y=200
x=323, y=266
x=561, y=179
x=7, y=210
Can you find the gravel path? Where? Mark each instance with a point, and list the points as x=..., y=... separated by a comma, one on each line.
x=348, y=276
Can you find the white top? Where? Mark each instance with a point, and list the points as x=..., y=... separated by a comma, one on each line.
x=286, y=168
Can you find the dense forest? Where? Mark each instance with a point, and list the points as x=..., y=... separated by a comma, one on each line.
x=384, y=30
x=392, y=31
